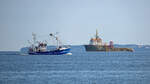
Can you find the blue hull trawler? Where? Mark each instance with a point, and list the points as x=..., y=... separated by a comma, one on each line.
x=40, y=48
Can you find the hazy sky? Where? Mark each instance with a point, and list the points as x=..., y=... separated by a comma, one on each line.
x=123, y=21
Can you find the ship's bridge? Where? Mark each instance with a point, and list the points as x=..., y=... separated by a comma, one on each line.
x=97, y=40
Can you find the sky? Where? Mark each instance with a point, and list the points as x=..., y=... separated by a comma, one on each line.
x=122, y=21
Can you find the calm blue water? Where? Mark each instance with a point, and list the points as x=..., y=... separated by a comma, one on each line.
x=80, y=68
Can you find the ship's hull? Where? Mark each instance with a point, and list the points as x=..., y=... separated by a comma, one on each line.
x=53, y=52
x=94, y=48
x=105, y=48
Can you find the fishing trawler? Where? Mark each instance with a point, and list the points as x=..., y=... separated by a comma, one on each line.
x=40, y=48
x=97, y=45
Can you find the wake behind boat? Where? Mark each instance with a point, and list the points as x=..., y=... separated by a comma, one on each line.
x=40, y=48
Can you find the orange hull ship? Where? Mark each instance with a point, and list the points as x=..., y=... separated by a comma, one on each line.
x=97, y=45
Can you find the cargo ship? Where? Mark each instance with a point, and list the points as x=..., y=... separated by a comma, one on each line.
x=96, y=44
x=40, y=48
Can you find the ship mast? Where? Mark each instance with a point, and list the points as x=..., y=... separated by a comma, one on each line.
x=34, y=38
x=34, y=41
x=97, y=34
x=56, y=39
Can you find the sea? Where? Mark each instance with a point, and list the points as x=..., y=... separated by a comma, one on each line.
x=17, y=67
